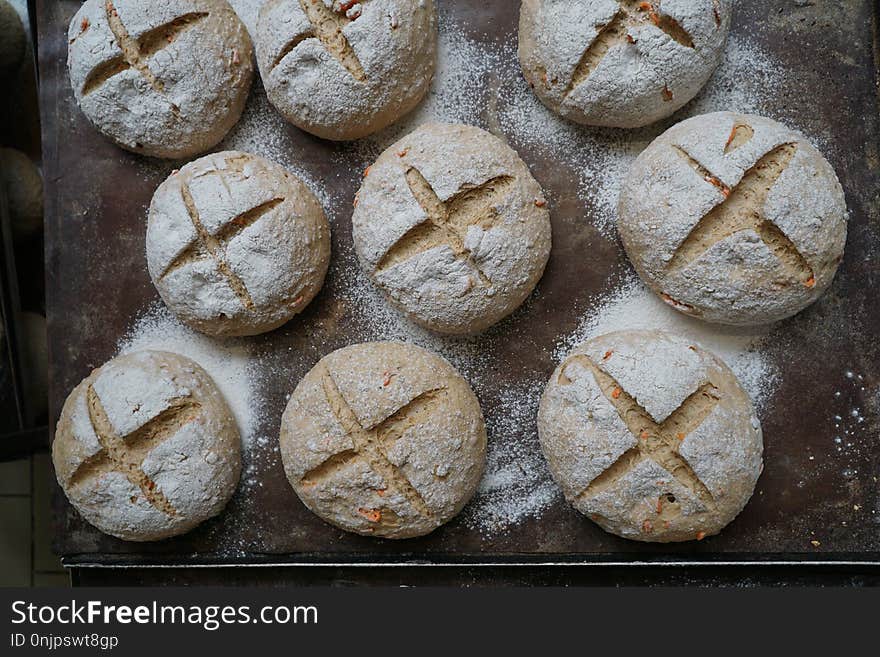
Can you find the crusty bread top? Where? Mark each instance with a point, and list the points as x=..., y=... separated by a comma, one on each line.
x=346, y=74
x=165, y=78
x=236, y=245
x=450, y=223
x=384, y=439
x=650, y=436
x=733, y=218
x=146, y=447
x=620, y=63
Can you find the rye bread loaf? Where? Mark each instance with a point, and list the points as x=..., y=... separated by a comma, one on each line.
x=383, y=439
x=452, y=227
x=236, y=245
x=13, y=40
x=146, y=447
x=734, y=219
x=620, y=63
x=650, y=436
x=343, y=70
x=164, y=78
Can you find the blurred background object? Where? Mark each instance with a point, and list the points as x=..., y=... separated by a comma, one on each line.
x=26, y=558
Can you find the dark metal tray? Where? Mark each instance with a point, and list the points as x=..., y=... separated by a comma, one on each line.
x=810, y=490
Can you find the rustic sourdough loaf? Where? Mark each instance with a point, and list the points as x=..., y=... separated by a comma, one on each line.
x=383, y=439
x=650, y=436
x=453, y=228
x=343, y=70
x=146, y=447
x=165, y=78
x=733, y=218
x=236, y=245
x=620, y=63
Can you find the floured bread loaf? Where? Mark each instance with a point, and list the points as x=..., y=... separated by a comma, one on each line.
x=383, y=439
x=650, y=436
x=733, y=218
x=23, y=184
x=165, y=78
x=620, y=63
x=236, y=245
x=453, y=228
x=343, y=70
x=13, y=41
x=146, y=447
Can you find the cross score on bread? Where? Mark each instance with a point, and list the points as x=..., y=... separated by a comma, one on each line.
x=742, y=208
x=136, y=52
x=369, y=445
x=208, y=245
x=630, y=13
x=326, y=26
x=658, y=442
x=447, y=222
x=126, y=454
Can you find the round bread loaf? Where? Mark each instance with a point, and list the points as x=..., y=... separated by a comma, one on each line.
x=733, y=219
x=164, y=78
x=620, y=63
x=650, y=436
x=343, y=70
x=236, y=245
x=13, y=41
x=146, y=447
x=383, y=439
x=23, y=185
x=451, y=225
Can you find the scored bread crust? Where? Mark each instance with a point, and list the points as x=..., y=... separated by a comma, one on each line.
x=384, y=439
x=260, y=251
x=650, y=436
x=375, y=68
x=169, y=79
x=610, y=63
x=749, y=168
x=177, y=430
x=466, y=282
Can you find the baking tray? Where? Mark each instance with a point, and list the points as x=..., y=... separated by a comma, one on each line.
x=813, y=65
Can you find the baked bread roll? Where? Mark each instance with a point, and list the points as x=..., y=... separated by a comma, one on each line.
x=236, y=245
x=733, y=219
x=23, y=184
x=620, y=63
x=146, y=447
x=13, y=40
x=160, y=78
x=343, y=70
x=452, y=227
x=383, y=439
x=650, y=436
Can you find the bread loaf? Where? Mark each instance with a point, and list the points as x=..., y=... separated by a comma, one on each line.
x=650, y=436
x=383, y=439
x=452, y=227
x=146, y=447
x=620, y=63
x=236, y=245
x=164, y=78
x=734, y=219
x=343, y=70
